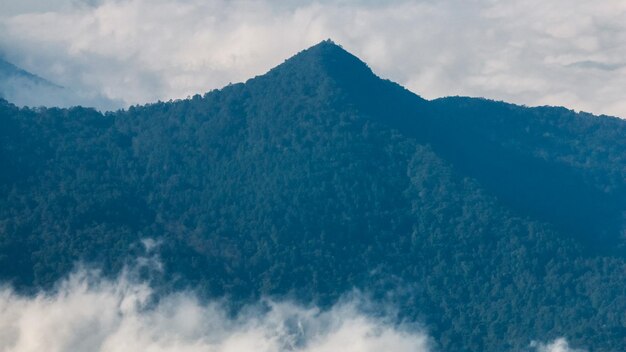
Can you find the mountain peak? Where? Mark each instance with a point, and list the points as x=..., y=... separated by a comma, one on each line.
x=332, y=56
x=328, y=70
x=326, y=47
x=326, y=58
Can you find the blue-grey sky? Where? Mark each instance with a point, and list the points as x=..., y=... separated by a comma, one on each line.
x=533, y=52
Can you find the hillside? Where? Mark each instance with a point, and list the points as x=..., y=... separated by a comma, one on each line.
x=489, y=223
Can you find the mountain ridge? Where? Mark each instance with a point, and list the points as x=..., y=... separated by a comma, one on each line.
x=9, y=70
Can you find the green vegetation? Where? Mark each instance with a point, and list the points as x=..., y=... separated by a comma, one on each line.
x=491, y=224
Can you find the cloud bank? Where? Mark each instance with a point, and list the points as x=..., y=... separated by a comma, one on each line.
x=565, y=52
x=88, y=313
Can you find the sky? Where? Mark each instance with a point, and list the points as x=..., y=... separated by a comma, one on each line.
x=533, y=52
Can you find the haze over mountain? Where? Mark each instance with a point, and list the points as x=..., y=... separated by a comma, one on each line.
x=23, y=88
x=490, y=224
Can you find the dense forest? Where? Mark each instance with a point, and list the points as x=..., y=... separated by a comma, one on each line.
x=489, y=223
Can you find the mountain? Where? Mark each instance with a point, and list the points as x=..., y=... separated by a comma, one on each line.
x=10, y=71
x=24, y=88
x=489, y=223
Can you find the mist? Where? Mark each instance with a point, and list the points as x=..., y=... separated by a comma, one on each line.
x=86, y=312
x=89, y=313
x=25, y=92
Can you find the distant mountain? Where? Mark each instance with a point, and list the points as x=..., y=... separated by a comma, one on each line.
x=489, y=223
x=24, y=88
x=10, y=71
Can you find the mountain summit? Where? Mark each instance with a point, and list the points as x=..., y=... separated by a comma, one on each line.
x=330, y=58
x=488, y=223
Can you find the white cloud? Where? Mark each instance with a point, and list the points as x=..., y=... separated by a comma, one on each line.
x=562, y=52
x=88, y=313
x=558, y=345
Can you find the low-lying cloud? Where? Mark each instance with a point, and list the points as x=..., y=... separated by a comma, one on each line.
x=562, y=52
x=88, y=313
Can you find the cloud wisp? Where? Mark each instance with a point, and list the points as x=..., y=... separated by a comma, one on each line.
x=566, y=52
x=558, y=345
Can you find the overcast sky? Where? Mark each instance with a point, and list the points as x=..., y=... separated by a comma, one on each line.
x=533, y=52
